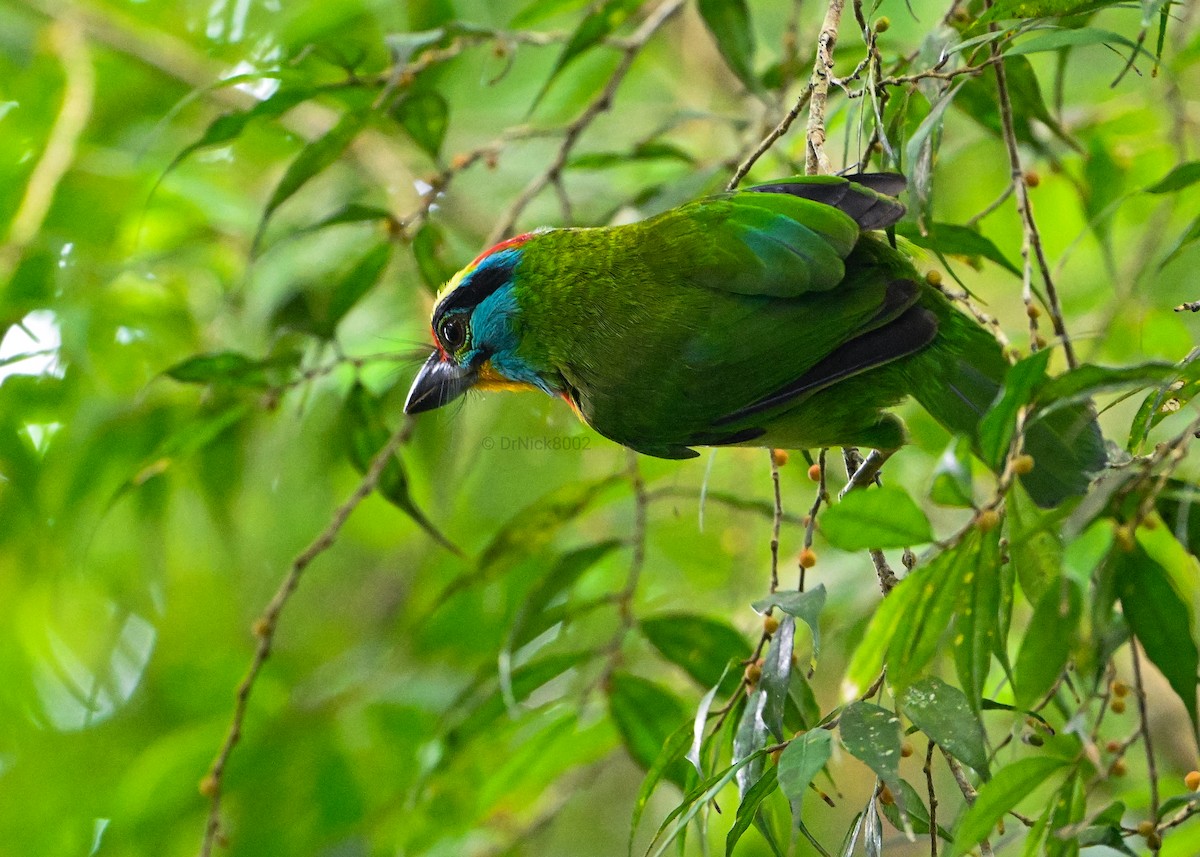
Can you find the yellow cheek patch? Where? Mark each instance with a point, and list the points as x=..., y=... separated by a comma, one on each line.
x=489, y=379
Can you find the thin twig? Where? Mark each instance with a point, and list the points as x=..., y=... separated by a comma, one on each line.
x=776, y=522
x=933, y=827
x=810, y=523
x=767, y=142
x=815, y=161
x=573, y=131
x=267, y=623
x=1139, y=689
x=1032, y=242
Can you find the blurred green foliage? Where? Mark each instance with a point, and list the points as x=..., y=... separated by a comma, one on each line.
x=222, y=225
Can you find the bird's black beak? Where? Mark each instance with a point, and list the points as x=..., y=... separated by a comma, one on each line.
x=439, y=382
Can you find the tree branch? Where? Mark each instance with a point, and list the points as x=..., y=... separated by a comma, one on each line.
x=815, y=161
x=265, y=626
x=575, y=129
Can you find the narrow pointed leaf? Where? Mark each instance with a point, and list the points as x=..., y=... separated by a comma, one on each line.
x=313, y=159
x=1011, y=784
x=942, y=712
x=729, y=23
x=801, y=761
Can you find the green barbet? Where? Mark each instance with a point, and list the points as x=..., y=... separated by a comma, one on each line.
x=766, y=317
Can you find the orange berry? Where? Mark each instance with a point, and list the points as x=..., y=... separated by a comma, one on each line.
x=1145, y=827
x=209, y=785
x=1023, y=464
x=1120, y=688
x=770, y=625
x=1117, y=706
x=1039, y=341
x=1192, y=780
x=808, y=558
x=987, y=520
x=460, y=161
x=779, y=457
x=906, y=750
x=885, y=796
x=1033, y=311
x=1112, y=746
x=1118, y=768
x=934, y=277
x=883, y=24
x=754, y=672
x=814, y=473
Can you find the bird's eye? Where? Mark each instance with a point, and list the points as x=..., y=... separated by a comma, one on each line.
x=454, y=333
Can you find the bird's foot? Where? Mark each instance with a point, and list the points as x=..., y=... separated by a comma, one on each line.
x=868, y=471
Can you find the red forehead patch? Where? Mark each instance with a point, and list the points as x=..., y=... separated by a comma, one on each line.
x=503, y=245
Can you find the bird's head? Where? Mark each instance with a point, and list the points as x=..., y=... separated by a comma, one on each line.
x=476, y=331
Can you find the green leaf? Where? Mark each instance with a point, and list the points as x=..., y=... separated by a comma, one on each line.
x=366, y=434
x=776, y=676
x=952, y=482
x=651, y=151
x=669, y=757
x=534, y=617
x=729, y=23
x=222, y=367
x=356, y=282
x=647, y=715
x=749, y=806
x=701, y=646
x=1170, y=397
x=943, y=713
x=883, y=517
x=872, y=735
x=1184, y=175
x=535, y=525
x=932, y=595
x=694, y=800
x=805, y=606
x=1034, y=543
x=229, y=126
x=1179, y=507
x=802, y=759
x=1066, y=38
x=428, y=245
x=1160, y=618
x=1088, y=380
x=425, y=116
x=955, y=240
x=595, y=28
x=476, y=715
x=1047, y=642
x=906, y=627
x=1173, y=803
x=1005, y=9
x=1186, y=238
x=998, y=424
x=541, y=10
x=313, y=159
x=977, y=617
x=1011, y=784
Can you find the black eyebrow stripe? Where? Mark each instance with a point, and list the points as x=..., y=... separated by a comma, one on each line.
x=482, y=283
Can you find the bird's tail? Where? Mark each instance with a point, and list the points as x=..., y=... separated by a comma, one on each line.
x=958, y=378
